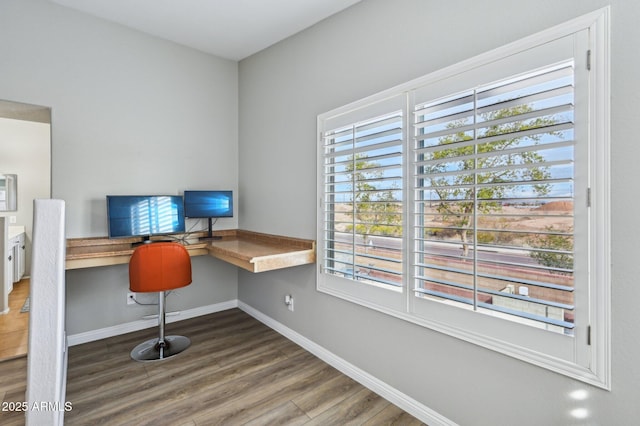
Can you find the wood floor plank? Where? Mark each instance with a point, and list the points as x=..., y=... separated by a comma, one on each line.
x=14, y=325
x=393, y=416
x=13, y=418
x=326, y=395
x=354, y=410
x=13, y=386
x=260, y=400
x=288, y=414
x=12, y=374
x=167, y=392
x=236, y=372
x=214, y=403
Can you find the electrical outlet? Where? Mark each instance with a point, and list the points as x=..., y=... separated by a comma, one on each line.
x=288, y=300
x=131, y=298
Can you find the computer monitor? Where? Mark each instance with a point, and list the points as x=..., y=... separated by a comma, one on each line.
x=209, y=205
x=144, y=215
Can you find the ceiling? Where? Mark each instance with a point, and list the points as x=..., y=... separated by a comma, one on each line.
x=232, y=29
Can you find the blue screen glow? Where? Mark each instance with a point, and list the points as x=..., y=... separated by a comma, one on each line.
x=202, y=204
x=133, y=215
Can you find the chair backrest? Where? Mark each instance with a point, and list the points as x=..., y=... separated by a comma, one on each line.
x=158, y=267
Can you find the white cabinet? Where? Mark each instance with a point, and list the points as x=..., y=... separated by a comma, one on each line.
x=12, y=259
x=16, y=263
x=18, y=250
x=9, y=267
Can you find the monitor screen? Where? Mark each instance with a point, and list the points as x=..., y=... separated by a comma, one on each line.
x=144, y=215
x=201, y=204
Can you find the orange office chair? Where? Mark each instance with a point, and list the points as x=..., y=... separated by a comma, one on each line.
x=158, y=267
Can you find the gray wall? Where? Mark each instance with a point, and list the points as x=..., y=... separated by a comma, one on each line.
x=131, y=114
x=373, y=46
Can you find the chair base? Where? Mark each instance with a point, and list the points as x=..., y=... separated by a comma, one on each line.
x=150, y=350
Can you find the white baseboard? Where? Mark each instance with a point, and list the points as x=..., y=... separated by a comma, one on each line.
x=408, y=404
x=116, y=330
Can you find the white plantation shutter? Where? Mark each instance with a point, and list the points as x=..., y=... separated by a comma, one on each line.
x=495, y=198
x=499, y=221
x=362, y=213
x=364, y=179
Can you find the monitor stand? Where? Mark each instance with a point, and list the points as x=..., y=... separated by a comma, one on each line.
x=210, y=236
x=145, y=240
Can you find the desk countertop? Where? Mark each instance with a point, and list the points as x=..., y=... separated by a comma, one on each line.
x=257, y=252
x=15, y=230
x=253, y=251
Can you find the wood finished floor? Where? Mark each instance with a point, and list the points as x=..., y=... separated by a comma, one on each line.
x=236, y=372
x=14, y=325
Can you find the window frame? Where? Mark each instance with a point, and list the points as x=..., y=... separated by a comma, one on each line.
x=591, y=364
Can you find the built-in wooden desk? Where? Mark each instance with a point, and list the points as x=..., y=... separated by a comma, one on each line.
x=253, y=251
x=258, y=252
